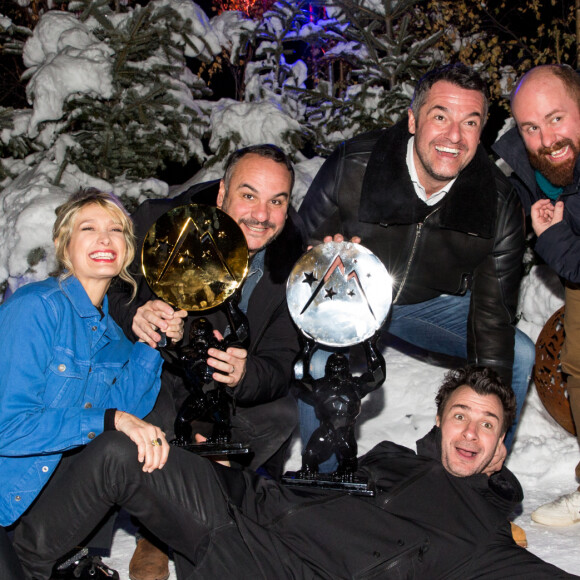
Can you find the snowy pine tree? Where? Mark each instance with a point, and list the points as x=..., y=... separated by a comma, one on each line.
x=145, y=112
x=111, y=102
x=116, y=91
x=259, y=59
x=370, y=54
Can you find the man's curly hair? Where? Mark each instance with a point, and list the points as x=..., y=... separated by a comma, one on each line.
x=484, y=381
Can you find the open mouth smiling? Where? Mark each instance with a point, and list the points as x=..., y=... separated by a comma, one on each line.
x=466, y=453
x=452, y=151
x=559, y=153
x=105, y=256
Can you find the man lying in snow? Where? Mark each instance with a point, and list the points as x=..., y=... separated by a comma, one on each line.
x=438, y=513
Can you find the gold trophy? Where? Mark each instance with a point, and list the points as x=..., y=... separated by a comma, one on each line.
x=195, y=257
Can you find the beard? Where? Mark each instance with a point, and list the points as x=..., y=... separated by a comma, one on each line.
x=558, y=174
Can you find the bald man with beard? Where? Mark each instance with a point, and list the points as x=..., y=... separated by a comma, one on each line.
x=543, y=151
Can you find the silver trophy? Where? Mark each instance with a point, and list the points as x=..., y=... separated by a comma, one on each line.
x=339, y=295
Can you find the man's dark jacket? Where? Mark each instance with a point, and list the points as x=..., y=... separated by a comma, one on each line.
x=423, y=523
x=473, y=239
x=274, y=340
x=559, y=245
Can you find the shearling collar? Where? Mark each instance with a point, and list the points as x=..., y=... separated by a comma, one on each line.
x=388, y=196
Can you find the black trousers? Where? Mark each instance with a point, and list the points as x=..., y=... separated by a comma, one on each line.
x=186, y=504
x=225, y=522
x=10, y=568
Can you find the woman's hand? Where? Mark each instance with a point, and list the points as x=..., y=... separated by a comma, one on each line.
x=156, y=316
x=152, y=447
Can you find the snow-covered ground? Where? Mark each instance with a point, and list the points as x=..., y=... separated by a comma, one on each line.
x=543, y=457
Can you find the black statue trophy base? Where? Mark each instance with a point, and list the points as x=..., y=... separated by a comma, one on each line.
x=208, y=400
x=348, y=482
x=207, y=449
x=208, y=407
x=336, y=398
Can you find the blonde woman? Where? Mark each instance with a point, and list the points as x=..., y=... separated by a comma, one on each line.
x=68, y=371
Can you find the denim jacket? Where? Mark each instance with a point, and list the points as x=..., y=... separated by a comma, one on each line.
x=62, y=367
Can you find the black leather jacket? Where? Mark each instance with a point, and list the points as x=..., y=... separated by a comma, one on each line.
x=473, y=239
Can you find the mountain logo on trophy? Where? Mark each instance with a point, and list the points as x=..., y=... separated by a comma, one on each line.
x=339, y=293
x=197, y=257
x=336, y=277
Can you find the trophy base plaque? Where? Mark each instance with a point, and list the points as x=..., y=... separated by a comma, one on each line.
x=349, y=483
x=214, y=449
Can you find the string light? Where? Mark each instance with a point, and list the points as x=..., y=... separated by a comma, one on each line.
x=251, y=8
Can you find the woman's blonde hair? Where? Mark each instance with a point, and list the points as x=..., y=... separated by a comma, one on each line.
x=65, y=219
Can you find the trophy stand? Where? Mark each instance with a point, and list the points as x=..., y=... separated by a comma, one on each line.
x=196, y=258
x=339, y=295
x=208, y=400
